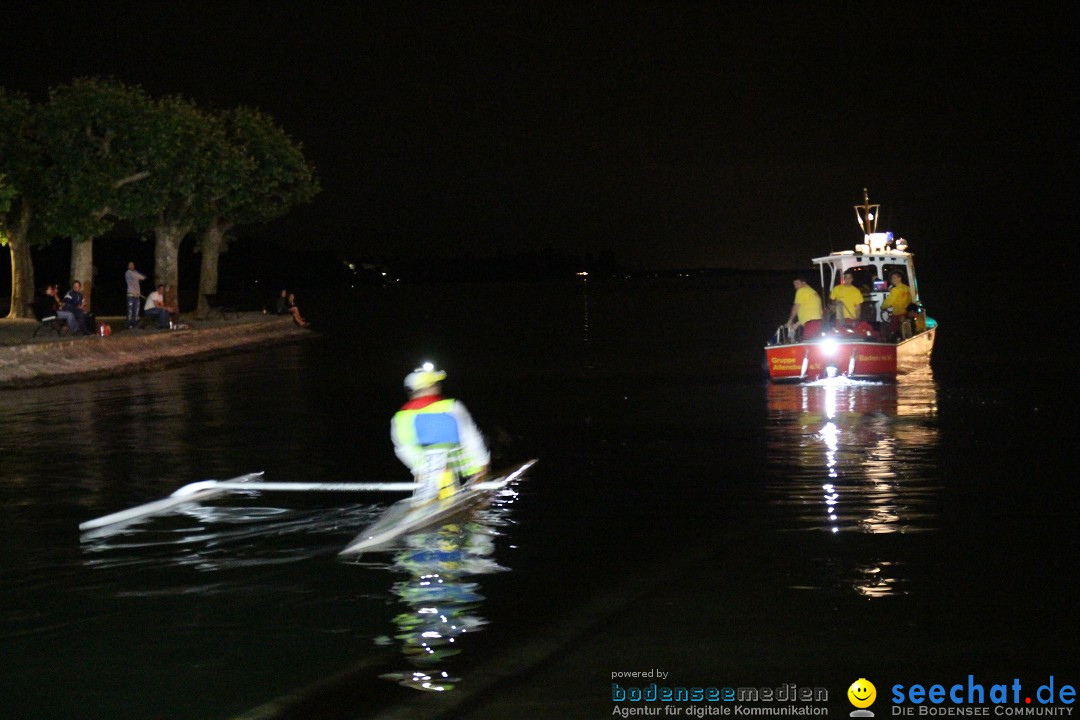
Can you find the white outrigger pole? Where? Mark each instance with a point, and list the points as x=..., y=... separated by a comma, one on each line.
x=205, y=489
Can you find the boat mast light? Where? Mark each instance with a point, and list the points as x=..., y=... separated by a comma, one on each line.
x=879, y=241
x=867, y=215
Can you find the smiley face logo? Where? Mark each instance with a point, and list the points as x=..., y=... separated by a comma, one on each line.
x=862, y=693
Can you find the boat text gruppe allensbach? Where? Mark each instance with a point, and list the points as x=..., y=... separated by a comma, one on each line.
x=872, y=346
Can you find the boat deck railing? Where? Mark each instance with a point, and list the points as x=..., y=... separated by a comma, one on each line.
x=908, y=329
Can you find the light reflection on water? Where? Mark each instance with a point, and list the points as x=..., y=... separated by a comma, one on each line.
x=441, y=604
x=214, y=586
x=653, y=435
x=854, y=457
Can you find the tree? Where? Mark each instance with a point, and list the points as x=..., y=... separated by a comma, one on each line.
x=7, y=194
x=267, y=175
x=19, y=154
x=180, y=153
x=90, y=134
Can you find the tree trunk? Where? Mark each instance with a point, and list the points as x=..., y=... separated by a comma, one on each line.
x=167, y=239
x=213, y=241
x=82, y=268
x=22, y=267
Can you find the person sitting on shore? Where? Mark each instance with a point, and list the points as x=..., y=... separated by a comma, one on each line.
x=75, y=304
x=156, y=308
x=295, y=312
x=47, y=305
x=44, y=304
x=282, y=306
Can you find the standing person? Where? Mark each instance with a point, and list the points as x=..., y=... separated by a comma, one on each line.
x=896, y=302
x=76, y=305
x=806, y=310
x=846, y=298
x=436, y=437
x=156, y=308
x=132, y=278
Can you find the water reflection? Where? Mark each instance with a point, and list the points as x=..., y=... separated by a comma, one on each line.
x=856, y=458
x=200, y=548
x=91, y=442
x=222, y=537
x=440, y=602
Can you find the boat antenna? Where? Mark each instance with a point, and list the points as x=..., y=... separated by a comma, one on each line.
x=867, y=215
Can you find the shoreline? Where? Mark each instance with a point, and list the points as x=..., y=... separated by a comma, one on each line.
x=30, y=362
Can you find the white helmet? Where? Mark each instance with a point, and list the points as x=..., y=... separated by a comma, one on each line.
x=423, y=377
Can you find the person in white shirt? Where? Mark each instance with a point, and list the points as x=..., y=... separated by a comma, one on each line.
x=156, y=308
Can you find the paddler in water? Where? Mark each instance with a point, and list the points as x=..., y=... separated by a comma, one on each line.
x=436, y=437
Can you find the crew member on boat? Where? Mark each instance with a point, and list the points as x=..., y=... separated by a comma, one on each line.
x=846, y=298
x=806, y=312
x=896, y=302
x=436, y=437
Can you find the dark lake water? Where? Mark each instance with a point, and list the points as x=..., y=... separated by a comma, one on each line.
x=684, y=515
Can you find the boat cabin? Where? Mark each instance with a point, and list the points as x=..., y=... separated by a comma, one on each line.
x=871, y=263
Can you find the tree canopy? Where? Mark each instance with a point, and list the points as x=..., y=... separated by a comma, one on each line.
x=99, y=151
x=20, y=156
x=276, y=175
x=91, y=133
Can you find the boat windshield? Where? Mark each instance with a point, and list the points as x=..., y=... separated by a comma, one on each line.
x=865, y=276
x=887, y=270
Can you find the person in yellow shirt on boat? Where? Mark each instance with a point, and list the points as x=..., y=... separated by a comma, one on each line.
x=805, y=310
x=436, y=437
x=896, y=302
x=846, y=299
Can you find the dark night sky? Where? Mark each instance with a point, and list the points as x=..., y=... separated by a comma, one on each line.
x=670, y=134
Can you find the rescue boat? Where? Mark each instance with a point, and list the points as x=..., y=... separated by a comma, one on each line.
x=872, y=346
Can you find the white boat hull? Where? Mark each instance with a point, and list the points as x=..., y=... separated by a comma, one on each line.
x=403, y=517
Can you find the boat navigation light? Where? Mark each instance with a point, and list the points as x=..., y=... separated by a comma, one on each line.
x=828, y=346
x=878, y=241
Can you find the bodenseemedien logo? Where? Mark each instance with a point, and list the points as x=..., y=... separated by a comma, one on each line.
x=862, y=694
x=676, y=700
